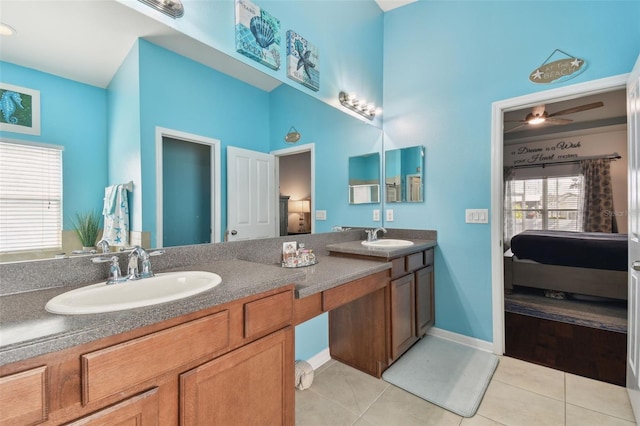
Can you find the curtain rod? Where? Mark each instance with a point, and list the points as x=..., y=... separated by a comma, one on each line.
x=614, y=156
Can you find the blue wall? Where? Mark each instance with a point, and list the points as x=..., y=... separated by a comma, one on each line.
x=181, y=94
x=444, y=65
x=73, y=115
x=348, y=35
x=337, y=136
x=123, y=120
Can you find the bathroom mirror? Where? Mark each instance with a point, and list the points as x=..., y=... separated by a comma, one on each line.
x=404, y=175
x=364, y=179
x=275, y=127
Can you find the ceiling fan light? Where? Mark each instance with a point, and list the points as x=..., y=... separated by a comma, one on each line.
x=537, y=120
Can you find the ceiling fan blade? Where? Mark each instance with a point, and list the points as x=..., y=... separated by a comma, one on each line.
x=558, y=120
x=515, y=121
x=516, y=127
x=577, y=109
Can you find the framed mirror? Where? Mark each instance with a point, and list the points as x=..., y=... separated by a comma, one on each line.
x=364, y=179
x=404, y=175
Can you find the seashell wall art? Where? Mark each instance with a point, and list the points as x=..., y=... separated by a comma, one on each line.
x=303, y=61
x=257, y=34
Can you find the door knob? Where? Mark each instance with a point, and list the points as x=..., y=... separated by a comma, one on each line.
x=234, y=232
x=636, y=265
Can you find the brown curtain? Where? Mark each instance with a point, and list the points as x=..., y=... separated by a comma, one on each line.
x=598, y=197
x=507, y=200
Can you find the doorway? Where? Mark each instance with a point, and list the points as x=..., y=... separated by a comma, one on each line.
x=497, y=144
x=295, y=173
x=187, y=189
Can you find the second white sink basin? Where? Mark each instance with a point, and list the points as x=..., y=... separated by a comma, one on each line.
x=388, y=243
x=98, y=298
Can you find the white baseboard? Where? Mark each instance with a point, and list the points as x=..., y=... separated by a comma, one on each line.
x=320, y=358
x=483, y=345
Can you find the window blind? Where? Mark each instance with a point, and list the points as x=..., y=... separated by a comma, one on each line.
x=30, y=197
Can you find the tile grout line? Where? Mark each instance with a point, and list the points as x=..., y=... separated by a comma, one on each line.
x=372, y=402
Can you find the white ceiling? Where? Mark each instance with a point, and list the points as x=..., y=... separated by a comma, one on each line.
x=87, y=41
x=387, y=5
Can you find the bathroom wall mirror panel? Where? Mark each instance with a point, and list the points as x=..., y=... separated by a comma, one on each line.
x=404, y=175
x=182, y=45
x=364, y=179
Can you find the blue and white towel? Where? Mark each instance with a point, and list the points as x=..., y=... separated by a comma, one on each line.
x=116, y=215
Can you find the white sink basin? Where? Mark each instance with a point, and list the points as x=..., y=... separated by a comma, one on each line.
x=161, y=288
x=387, y=243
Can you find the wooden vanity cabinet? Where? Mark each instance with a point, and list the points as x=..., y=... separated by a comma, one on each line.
x=232, y=363
x=411, y=302
x=372, y=332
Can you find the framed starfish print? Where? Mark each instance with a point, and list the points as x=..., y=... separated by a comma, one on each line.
x=303, y=61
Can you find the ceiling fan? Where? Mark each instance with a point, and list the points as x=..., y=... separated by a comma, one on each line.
x=539, y=115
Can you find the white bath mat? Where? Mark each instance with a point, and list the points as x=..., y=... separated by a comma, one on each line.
x=448, y=374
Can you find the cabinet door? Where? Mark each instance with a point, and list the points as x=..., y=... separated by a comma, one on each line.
x=424, y=300
x=139, y=410
x=253, y=385
x=403, y=315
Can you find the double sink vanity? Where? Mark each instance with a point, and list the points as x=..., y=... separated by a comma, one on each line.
x=222, y=356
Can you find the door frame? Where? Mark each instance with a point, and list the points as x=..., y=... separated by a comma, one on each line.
x=311, y=148
x=497, y=125
x=162, y=132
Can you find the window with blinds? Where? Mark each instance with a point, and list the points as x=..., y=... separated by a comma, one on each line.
x=546, y=203
x=30, y=197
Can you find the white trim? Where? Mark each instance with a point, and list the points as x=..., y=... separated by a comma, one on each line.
x=311, y=147
x=497, y=115
x=215, y=179
x=32, y=143
x=319, y=359
x=472, y=342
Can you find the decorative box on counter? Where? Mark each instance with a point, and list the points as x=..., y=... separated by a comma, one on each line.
x=297, y=256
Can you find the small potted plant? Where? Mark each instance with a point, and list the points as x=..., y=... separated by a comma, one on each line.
x=87, y=227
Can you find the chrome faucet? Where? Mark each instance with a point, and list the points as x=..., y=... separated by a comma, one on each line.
x=132, y=268
x=372, y=234
x=103, y=245
x=115, y=275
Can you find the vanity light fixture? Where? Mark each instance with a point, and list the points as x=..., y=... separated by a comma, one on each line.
x=351, y=101
x=172, y=8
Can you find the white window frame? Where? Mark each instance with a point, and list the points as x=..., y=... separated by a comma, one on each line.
x=23, y=163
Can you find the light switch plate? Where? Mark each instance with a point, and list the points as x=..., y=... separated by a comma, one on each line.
x=376, y=215
x=389, y=217
x=321, y=215
x=476, y=216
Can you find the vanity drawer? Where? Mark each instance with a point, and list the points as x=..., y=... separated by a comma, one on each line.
x=268, y=314
x=428, y=257
x=398, y=267
x=23, y=397
x=353, y=290
x=415, y=261
x=113, y=369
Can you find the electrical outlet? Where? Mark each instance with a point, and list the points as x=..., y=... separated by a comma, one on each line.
x=476, y=216
x=389, y=217
x=376, y=215
x=321, y=215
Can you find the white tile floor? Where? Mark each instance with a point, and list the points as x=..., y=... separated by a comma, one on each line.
x=520, y=393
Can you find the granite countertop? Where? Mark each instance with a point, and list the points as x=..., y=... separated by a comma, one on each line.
x=27, y=330
x=356, y=247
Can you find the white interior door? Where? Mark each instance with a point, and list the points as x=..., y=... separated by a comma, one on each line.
x=251, y=194
x=633, y=342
